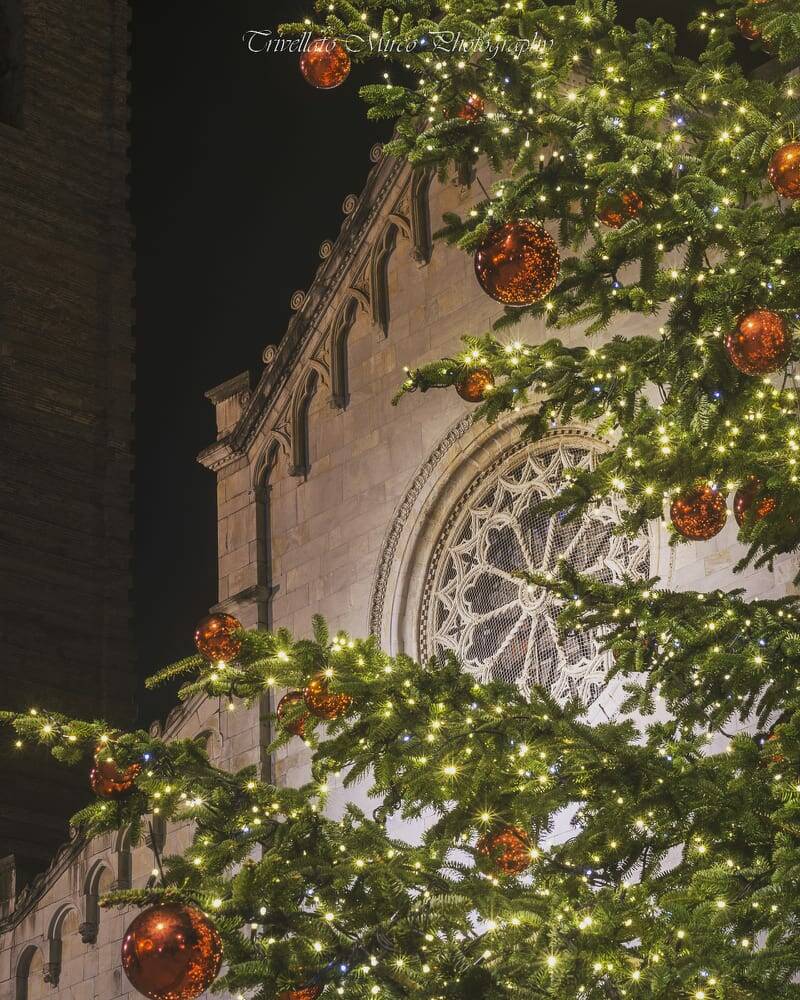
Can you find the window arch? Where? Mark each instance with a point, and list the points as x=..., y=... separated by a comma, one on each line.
x=421, y=236
x=474, y=605
x=99, y=879
x=122, y=848
x=11, y=61
x=262, y=492
x=29, y=982
x=63, y=925
x=340, y=380
x=301, y=450
x=379, y=277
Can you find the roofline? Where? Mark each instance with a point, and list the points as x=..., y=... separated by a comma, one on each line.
x=330, y=276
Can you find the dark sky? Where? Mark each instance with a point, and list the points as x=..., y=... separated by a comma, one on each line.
x=239, y=173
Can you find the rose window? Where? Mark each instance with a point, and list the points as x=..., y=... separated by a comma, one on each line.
x=475, y=607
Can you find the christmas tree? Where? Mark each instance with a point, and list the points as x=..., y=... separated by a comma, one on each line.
x=658, y=854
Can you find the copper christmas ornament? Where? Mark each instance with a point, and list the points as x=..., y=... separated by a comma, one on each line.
x=306, y=993
x=760, y=343
x=321, y=703
x=614, y=210
x=297, y=724
x=325, y=64
x=699, y=514
x=518, y=263
x=106, y=780
x=508, y=848
x=215, y=640
x=473, y=110
x=171, y=952
x=747, y=29
x=472, y=387
x=745, y=507
x=784, y=170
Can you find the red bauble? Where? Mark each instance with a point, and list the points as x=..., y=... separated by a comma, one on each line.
x=215, y=640
x=473, y=110
x=321, y=703
x=171, y=952
x=474, y=384
x=508, y=848
x=760, y=344
x=297, y=724
x=614, y=210
x=745, y=507
x=106, y=779
x=784, y=170
x=325, y=64
x=306, y=993
x=518, y=263
x=747, y=29
x=699, y=514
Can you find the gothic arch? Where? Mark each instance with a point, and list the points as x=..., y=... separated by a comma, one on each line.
x=52, y=967
x=379, y=275
x=24, y=964
x=122, y=848
x=91, y=901
x=301, y=403
x=421, y=236
x=340, y=333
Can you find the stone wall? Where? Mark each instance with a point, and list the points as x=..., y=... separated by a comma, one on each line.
x=66, y=399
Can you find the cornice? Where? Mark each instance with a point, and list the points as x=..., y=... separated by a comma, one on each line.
x=347, y=256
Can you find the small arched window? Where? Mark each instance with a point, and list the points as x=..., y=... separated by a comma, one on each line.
x=264, y=533
x=379, y=281
x=340, y=381
x=11, y=61
x=301, y=446
x=29, y=982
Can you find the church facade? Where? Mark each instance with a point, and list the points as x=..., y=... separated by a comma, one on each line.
x=406, y=522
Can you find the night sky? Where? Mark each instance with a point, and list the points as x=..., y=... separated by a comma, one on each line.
x=239, y=173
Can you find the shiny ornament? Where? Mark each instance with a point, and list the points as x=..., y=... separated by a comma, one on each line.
x=760, y=343
x=325, y=64
x=321, y=703
x=106, y=779
x=745, y=507
x=306, y=993
x=747, y=29
x=784, y=170
x=615, y=210
x=474, y=384
x=518, y=263
x=473, y=110
x=699, y=514
x=171, y=952
x=508, y=848
x=297, y=724
x=215, y=640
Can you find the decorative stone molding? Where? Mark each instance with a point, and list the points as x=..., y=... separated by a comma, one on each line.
x=351, y=252
x=421, y=235
x=33, y=892
x=297, y=300
x=301, y=459
x=379, y=276
x=340, y=332
x=400, y=518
